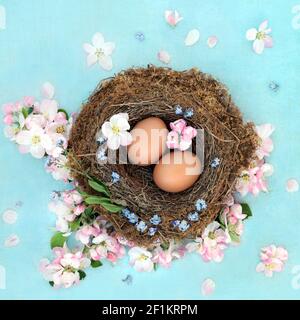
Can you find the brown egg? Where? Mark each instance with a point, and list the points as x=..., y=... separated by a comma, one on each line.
x=177, y=171
x=149, y=138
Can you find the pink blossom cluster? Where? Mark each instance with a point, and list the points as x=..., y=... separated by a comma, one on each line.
x=66, y=269
x=272, y=259
x=67, y=205
x=181, y=136
x=41, y=129
x=99, y=244
x=253, y=180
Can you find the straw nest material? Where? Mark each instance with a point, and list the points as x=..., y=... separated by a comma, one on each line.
x=153, y=91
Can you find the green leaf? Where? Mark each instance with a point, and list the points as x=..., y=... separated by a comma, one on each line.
x=65, y=112
x=84, y=194
x=89, y=211
x=58, y=240
x=96, y=200
x=246, y=210
x=82, y=274
x=74, y=225
x=165, y=245
x=111, y=207
x=155, y=266
x=25, y=112
x=98, y=186
x=51, y=283
x=96, y=264
x=234, y=237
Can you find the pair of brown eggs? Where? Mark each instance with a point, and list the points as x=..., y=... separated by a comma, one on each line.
x=174, y=171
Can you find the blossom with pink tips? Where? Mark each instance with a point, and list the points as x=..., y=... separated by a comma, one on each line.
x=211, y=244
x=164, y=257
x=253, y=180
x=265, y=142
x=272, y=259
x=141, y=259
x=64, y=270
x=261, y=38
x=181, y=135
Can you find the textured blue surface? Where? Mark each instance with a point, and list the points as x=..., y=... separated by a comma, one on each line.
x=43, y=42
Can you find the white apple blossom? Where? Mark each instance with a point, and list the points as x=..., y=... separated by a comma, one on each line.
x=116, y=131
x=140, y=259
x=99, y=51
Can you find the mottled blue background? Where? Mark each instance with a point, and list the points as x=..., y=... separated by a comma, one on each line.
x=43, y=42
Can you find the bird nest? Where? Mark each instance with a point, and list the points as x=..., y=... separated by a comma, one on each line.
x=152, y=91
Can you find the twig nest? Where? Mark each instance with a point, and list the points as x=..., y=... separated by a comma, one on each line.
x=141, y=93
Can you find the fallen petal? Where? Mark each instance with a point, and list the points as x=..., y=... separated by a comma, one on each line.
x=48, y=90
x=192, y=37
x=292, y=185
x=208, y=287
x=10, y=216
x=164, y=56
x=212, y=41
x=12, y=241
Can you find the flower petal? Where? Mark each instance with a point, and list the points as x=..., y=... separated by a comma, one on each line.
x=268, y=41
x=105, y=62
x=88, y=48
x=98, y=40
x=24, y=137
x=12, y=241
x=164, y=56
x=106, y=129
x=263, y=26
x=48, y=90
x=208, y=287
x=192, y=37
x=212, y=41
x=108, y=48
x=91, y=59
x=37, y=151
x=126, y=138
x=258, y=46
x=251, y=34
x=113, y=142
x=10, y=216
x=292, y=185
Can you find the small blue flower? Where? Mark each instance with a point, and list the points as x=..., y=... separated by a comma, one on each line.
x=126, y=213
x=215, y=163
x=141, y=226
x=132, y=218
x=178, y=110
x=183, y=226
x=201, y=204
x=274, y=86
x=139, y=36
x=101, y=155
x=152, y=231
x=175, y=223
x=193, y=216
x=115, y=177
x=188, y=113
x=101, y=140
x=156, y=219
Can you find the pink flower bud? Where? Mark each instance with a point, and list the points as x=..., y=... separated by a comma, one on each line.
x=8, y=119
x=178, y=126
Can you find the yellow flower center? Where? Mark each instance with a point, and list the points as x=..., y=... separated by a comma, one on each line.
x=245, y=177
x=260, y=35
x=116, y=130
x=35, y=139
x=99, y=53
x=211, y=235
x=143, y=257
x=60, y=129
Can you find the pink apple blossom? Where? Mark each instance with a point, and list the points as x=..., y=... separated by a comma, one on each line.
x=265, y=142
x=141, y=259
x=253, y=180
x=272, y=259
x=63, y=271
x=172, y=17
x=261, y=38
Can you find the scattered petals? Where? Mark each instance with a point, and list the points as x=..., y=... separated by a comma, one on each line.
x=10, y=216
x=12, y=241
x=192, y=37
x=208, y=287
x=164, y=57
x=212, y=41
x=48, y=90
x=292, y=185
